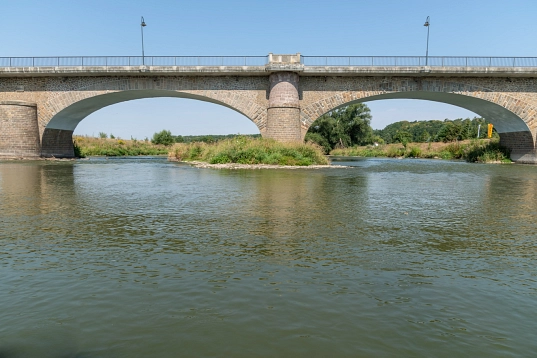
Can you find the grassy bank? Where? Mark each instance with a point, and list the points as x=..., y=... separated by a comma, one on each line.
x=480, y=151
x=89, y=146
x=247, y=150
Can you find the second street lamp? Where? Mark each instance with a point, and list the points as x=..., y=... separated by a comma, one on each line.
x=427, y=23
x=142, y=25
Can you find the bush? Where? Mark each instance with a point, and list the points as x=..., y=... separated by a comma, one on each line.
x=456, y=149
x=393, y=152
x=78, y=151
x=492, y=151
x=163, y=137
x=414, y=152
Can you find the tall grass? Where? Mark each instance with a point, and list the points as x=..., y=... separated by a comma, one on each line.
x=247, y=150
x=482, y=151
x=491, y=152
x=89, y=146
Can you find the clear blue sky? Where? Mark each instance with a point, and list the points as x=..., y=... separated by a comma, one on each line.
x=237, y=27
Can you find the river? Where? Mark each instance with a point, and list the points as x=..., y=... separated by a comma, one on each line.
x=141, y=257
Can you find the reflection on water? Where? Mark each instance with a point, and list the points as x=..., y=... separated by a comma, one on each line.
x=140, y=257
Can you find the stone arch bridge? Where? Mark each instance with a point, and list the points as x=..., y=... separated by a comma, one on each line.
x=41, y=105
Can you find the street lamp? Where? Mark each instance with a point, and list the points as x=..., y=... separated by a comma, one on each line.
x=142, y=25
x=427, y=23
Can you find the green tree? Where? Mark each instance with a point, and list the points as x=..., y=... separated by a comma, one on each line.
x=163, y=137
x=103, y=135
x=343, y=127
x=451, y=131
x=425, y=136
x=402, y=137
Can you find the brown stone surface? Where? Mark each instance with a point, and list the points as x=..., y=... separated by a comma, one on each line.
x=19, y=135
x=284, y=124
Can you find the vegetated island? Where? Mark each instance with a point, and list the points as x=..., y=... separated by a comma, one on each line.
x=242, y=152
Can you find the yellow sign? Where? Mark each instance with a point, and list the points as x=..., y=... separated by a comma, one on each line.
x=490, y=130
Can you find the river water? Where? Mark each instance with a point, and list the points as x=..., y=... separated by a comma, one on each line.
x=147, y=258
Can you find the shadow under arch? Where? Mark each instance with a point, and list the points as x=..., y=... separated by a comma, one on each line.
x=514, y=132
x=57, y=136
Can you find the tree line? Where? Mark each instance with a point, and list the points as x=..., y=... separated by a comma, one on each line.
x=351, y=126
x=435, y=130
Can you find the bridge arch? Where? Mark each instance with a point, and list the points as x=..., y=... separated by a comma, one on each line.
x=514, y=118
x=60, y=115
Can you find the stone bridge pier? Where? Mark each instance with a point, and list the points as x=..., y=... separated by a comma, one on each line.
x=283, y=112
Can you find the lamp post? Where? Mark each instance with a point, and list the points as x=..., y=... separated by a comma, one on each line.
x=427, y=23
x=142, y=25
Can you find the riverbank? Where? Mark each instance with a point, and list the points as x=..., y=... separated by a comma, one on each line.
x=474, y=151
x=250, y=151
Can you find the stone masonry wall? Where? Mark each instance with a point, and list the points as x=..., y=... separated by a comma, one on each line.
x=284, y=124
x=19, y=134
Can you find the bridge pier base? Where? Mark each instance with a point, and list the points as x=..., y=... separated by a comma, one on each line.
x=19, y=132
x=522, y=146
x=283, y=113
x=57, y=143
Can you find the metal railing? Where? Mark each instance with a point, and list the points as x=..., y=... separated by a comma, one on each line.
x=111, y=61
x=409, y=61
x=356, y=61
